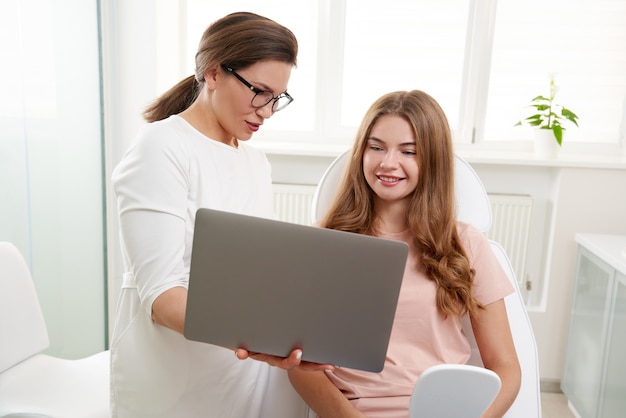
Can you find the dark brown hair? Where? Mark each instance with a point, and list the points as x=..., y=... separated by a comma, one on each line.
x=431, y=214
x=237, y=40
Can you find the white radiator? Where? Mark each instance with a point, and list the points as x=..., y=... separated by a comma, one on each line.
x=510, y=227
x=292, y=203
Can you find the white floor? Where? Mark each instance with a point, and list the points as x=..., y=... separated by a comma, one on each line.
x=554, y=405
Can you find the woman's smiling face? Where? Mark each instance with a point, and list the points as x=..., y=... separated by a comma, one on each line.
x=389, y=161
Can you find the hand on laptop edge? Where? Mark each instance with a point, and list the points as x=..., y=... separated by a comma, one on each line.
x=294, y=360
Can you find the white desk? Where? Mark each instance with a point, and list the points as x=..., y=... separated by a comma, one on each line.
x=610, y=248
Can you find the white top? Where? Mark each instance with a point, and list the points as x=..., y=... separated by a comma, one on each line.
x=610, y=248
x=169, y=172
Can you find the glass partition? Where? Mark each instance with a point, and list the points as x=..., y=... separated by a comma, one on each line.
x=51, y=163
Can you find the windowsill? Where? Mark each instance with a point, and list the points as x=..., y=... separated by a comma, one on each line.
x=299, y=149
x=564, y=160
x=473, y=155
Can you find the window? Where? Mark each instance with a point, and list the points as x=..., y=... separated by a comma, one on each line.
x=482, y=60
x=401, y=45
x=581, y=42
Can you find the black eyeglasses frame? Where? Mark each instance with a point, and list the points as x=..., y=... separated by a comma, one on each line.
x=257, y=91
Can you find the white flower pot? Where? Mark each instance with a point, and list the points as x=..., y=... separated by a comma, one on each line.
x=545, y=144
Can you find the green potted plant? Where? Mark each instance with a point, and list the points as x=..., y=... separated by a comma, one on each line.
x=549, y=116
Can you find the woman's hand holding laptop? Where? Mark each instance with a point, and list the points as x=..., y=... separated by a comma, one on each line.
x=294, y=360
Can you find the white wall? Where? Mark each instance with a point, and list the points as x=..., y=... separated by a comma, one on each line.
x=129, y=84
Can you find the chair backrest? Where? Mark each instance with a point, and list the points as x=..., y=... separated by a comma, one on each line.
x=453, y=391
x=472, y=201
x=23, y=330
x=473, y=207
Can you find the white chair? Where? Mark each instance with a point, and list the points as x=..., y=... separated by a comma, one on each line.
x=528, y=401
x=453, y=391
x=33, y=384
x=473, y=207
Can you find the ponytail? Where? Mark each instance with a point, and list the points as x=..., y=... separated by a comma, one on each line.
x=173, y=101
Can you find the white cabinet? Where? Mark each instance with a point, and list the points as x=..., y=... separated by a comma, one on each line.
x=594, y=373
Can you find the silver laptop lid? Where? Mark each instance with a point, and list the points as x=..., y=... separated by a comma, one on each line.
x=271, y=286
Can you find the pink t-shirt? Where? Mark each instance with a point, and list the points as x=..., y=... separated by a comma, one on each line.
x=421, y=337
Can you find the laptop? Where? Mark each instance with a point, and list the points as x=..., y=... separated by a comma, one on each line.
x=270, y=286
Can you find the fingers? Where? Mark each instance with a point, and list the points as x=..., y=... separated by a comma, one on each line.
x=315, y=367
x=294, y=360
x=295, y=357
x=283, y=362
x=241, y=353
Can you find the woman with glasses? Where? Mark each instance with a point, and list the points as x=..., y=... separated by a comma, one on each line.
x=193, y=153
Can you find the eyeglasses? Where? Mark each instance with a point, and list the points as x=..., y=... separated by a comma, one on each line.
x=261, y=97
